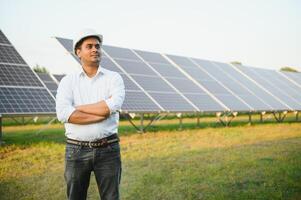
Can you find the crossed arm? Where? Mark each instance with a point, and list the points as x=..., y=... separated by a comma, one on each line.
x=90, y=113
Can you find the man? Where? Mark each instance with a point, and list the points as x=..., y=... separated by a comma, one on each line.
x=88, y=102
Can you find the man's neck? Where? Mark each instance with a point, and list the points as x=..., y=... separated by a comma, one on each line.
x=91, y=69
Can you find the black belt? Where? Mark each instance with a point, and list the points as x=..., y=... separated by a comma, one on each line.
x=103, y=142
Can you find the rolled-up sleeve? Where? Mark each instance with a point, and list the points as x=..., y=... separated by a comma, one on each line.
x=117, y=93
x=64, y=100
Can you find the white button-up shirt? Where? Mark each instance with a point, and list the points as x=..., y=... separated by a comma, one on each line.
x=78, y=89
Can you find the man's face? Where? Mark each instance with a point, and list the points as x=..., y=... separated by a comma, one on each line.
x=90, y=51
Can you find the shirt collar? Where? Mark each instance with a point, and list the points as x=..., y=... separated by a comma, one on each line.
x=100, y=71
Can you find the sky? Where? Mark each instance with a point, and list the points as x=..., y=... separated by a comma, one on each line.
x=259, y=33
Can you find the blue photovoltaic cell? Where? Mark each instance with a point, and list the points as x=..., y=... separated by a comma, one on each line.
x=295, y=77
x=179, y=81
x=135, y=67
x=215, y=88
x=58, y=77
x=66, y=43
x=49, y=82
x=8, y=54
x=167, y=70
x=26, y=101
x=266, y=78
x=258, y=92
x=152, y=57
x=137, y=101
x=282, y=83
x=240, y=90
x=3, y=38
x=108, y=64
x=18, y=75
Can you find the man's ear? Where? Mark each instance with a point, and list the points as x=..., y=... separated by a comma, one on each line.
x=78, y=52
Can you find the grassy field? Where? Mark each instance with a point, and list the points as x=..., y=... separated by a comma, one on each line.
x=262, y=161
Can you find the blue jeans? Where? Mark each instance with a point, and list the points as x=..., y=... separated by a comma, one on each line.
x=105, y=162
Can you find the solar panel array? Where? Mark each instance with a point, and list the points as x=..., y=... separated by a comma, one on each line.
x=156, y=82
x=21, y=91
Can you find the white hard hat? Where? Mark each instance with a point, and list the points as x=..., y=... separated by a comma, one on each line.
x=84, y=34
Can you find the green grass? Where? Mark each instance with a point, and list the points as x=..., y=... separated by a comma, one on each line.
x=240, y=162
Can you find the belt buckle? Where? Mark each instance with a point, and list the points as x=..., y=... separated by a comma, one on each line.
x=90, y=144
x=104, y=141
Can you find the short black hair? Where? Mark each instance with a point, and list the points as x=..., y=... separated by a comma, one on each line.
x=79, y=44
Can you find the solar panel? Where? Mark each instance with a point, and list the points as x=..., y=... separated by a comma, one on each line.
x=271, y=83
x=215, y=69
x=136, y=100
x=8, y=54
x=294, y=77
x=207, y=81
x=179, y=81
x=256, y=91
x=18, y=75
x=49, y=82
x=21, y=92
x=3, y=38
x=58, y=77
x=286, y=86
x=68, y=45
x=162, y=92
x=16, y=100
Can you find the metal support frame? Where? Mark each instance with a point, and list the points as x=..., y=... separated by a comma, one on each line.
x=261, y=117
x=141, y=122
x=198, y=120
x=142, y=128
x=280, y=117
x=297, y=115
x=250, y=118
x=46, y=126
x=226, y=118
x=23, y=122
x=179, y=115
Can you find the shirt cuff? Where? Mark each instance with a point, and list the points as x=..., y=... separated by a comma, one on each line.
x=110, y=104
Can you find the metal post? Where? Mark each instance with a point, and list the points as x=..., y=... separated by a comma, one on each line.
x=1, y=141
x=141, y=123
x=250, y=118
x=198, y=120
x=226, y=119
x=261, y=117
x=180, y=128
x=297, y=116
